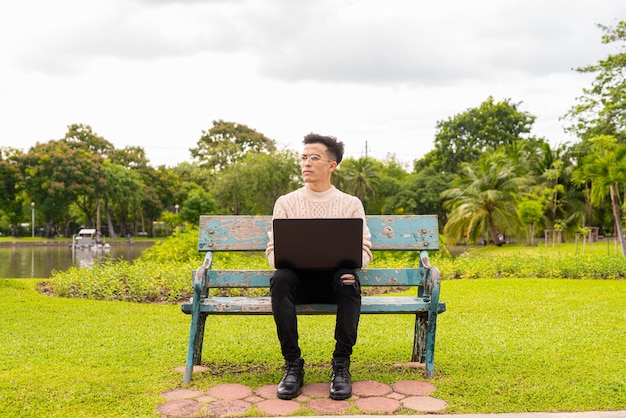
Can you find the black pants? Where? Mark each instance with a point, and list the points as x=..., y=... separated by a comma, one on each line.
x=289, y=287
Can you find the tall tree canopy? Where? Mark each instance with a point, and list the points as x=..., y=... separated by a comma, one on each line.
x=464, y=137
x=601, y=110
x=228, y=142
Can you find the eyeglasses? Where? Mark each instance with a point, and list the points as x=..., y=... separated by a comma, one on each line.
x=313, y=157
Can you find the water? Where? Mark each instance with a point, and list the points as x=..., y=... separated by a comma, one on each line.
x=38, y=261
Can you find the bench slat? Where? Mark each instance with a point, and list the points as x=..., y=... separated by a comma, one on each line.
x=261, y=278
x=262, y=306
x=249, y=233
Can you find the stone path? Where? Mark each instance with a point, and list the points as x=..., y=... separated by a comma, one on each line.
x=368, y=397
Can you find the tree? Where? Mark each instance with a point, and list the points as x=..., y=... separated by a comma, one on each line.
x=198, y=202
x=421, y=194
x=392, y=177
x=122, y=193
x=359, y=177
x=530, y=212
x=228, y=142
x=601, y=110
x=483, y=200
x=605, y=168
x=252, y=185
x=10, y=182
x=464, y=137
x=56, y=174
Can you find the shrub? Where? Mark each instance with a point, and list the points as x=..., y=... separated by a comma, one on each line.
x=141, y=281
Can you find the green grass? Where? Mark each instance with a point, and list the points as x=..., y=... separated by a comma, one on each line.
x=504, y=345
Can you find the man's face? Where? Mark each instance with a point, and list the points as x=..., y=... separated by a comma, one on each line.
x=315, y=165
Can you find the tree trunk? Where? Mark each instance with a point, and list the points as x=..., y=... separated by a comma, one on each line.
x=492, y=231
x=107, y=211
x=98, y=220
x=617, y=217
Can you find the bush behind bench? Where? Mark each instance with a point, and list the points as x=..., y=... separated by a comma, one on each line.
x=166, y=281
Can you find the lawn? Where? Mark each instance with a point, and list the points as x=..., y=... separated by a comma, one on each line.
x=504, y=345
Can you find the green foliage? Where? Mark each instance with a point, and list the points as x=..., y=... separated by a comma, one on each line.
x=141, y=281
x=601, y=110
x=359, y=177
x=198, y=202
x=523, y=265
x=464, y=137
x=251, y=185
x=530, y=211
x=420, y=194
x=483, y=198
x=181, y=246
x=228, y=142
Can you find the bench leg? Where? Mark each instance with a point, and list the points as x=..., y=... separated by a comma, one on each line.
x=196, y=338
x=431, y=328
x=419, y=338
x=430, y=344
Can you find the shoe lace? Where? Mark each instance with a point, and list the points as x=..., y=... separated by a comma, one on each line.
x=292, y=369
x=341, y=371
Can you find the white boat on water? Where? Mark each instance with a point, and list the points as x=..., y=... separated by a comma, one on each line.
x=89, y=238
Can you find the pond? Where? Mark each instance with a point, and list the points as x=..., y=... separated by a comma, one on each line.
x=38, y=261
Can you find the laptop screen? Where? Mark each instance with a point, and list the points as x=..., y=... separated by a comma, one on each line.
x=318, y=243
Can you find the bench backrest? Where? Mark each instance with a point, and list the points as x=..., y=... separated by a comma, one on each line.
x=249, y=233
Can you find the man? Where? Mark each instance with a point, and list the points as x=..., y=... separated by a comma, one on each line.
x=317, y=199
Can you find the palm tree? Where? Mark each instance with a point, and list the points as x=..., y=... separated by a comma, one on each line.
x=359, y=177
x=605, y=168
x=483, y=200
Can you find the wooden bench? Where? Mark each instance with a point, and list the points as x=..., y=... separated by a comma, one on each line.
x=249, y=233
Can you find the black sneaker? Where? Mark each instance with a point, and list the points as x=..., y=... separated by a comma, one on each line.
x=292, y=381
x=341, y=380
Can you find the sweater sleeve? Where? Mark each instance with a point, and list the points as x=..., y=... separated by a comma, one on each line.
x=279, y=212
x=367, y=255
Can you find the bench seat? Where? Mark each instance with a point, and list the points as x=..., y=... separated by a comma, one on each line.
x=261, y=305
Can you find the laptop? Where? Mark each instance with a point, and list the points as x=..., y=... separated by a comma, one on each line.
x=318, y=243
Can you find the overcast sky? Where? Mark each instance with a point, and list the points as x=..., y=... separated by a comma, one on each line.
x=378, y=75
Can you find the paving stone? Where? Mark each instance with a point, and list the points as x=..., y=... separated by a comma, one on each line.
x=254, y=399
x=378, y=404
x=196, y=369
x=424, y=404
x=370, y=388
x=181, y=394
x=179, y=408
x=317, y=390
x=267, y=391
x=396, y=396
x=206, y=399
x=277, y=407
x=230, y=391
x=413, y=388
x=327, y=405
x=229, y=407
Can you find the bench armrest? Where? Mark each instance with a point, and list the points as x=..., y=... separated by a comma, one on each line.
x=201, y=278
x=431, y=279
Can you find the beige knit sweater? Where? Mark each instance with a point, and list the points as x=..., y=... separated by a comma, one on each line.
x=332, y=203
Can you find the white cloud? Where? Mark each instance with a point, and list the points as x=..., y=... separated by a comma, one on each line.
x=156, y=73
